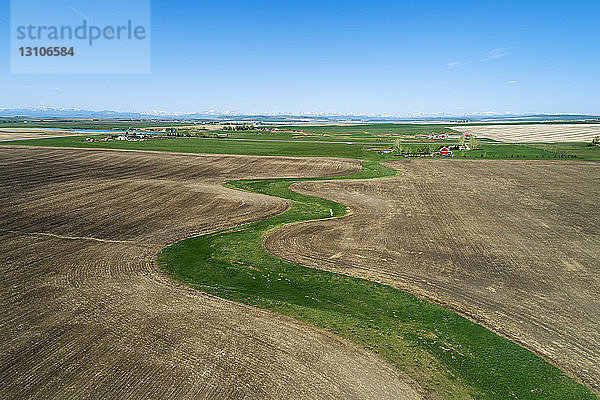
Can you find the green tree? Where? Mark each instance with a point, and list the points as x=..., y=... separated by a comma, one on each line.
x=424, y=148
x=596, y=141
x=474, y=144
x=398, y=146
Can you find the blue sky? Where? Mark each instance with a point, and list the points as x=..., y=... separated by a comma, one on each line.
x=376, y=57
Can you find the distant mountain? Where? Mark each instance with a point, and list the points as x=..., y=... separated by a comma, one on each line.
x=45, y=112
x=72, y=113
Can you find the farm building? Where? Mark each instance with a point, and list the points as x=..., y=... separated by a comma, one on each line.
x=444, y=152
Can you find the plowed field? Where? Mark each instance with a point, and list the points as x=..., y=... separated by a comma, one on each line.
x=86, y=312
x=546, y=133
x=513, y=245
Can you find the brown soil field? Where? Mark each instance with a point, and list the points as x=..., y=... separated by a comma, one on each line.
x=7, y=134
x=86, y=313
x=546, y=133
x=512, y=245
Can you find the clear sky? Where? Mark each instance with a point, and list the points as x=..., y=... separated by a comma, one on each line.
x=372, y=57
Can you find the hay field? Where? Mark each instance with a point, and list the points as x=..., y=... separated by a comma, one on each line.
x=512, y=245
x=87, y=313
x=532, y=133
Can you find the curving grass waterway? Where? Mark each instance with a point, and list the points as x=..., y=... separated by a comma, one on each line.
x=444, y=352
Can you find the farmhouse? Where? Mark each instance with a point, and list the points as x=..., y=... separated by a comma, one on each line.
x=444, y=152
x=441, y=136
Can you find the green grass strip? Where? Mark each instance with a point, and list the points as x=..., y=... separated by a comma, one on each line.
x=443, y=351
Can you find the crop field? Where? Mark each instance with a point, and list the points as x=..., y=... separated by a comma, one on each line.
x=86, y=313
x=358, y=141
x=538, y=133
x=371, y=130
x=300, y=201
x=217, y=146
x=512, y=245
x=10, y=134
x=91, y=308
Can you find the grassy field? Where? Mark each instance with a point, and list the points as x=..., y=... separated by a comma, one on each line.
x=580, y=150
x=371, y=129
x=294, y=136
x=510, y=151
x=218, y=146
x=443, y=351
x=285, y=144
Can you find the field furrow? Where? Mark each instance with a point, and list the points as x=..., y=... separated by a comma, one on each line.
x=87, y=314
x=512, y=245
x=544, y=133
